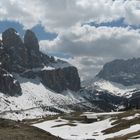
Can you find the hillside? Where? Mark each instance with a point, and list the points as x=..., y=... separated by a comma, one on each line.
x=98, y=126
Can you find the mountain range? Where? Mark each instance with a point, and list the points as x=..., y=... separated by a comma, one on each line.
x=34, y=84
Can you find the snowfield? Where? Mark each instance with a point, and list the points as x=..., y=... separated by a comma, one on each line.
x=82, y=131
x=36, y=101
x=137, y=115
x=112, y=87
x=78, y=132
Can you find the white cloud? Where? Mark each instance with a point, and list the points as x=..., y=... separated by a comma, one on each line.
x=92, y=47
x=132, y=12
x=23, y=12
x=88, y=66
x=60, y=15
x=92, y=41
x=88, y=45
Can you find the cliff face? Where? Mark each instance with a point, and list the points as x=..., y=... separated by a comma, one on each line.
x=61, y=79
x=32, y=45
x=25, y=59
x=24, y=54
x=8, y=84
x=125, y=72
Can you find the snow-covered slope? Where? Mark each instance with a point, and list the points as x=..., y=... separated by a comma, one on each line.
x=78, y=130
x=112, y=87
x=36, y=101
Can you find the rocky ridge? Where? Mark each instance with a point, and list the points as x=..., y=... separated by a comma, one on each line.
x=22, y=56
x=37, y=79
x=127, y=74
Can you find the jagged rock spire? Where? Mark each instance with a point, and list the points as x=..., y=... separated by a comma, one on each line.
x=18, y=57
x=31, y=41
x=11, y=38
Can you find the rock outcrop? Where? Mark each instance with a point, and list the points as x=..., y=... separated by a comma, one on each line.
x=61, y=79
x=126, y=72
x=8, y=84
x=134, y=101
x=0, y=43
x=11, y=38
x=4, y=59
x=25, y=59
x=32, y=45
x=13, y=47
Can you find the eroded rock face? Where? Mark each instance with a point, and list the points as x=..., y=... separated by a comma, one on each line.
x=46, y=59
x=4, y=59
x=61, y=79
x=22, y=54
x=32, y=45
x=11, y=38
x=25, y=59
x=31, y=41
x=13, y=47
x=126, y=72
x=8, y=84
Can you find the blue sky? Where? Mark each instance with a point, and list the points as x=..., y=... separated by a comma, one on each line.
x=43, y=35
x=38, y=29
x=115, y=23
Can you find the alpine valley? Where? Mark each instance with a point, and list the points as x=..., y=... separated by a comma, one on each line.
x=35, y=85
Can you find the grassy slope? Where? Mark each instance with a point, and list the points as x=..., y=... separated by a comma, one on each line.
x=120, y=124
x=11, y=130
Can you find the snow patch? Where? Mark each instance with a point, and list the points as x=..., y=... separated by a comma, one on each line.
x=113, y=88
x=137, y=115
x=78, y=132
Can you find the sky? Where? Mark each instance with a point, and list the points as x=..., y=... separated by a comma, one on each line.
x=86, y=33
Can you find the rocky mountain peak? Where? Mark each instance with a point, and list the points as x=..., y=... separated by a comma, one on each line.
x=11, y=38
x=32, y=46
x=31, y=41
x=25, y=59
x=125, y=72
